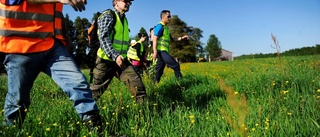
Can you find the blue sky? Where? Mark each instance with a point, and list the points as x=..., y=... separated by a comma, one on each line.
x=242, y=26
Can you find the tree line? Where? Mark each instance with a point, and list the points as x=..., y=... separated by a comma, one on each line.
x=311, y=50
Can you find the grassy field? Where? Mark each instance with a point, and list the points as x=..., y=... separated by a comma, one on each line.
x=256, y=97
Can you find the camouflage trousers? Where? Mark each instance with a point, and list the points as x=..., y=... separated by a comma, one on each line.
x=104, y=72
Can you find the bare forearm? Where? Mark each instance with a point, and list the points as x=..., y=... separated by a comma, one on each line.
x=154, y=46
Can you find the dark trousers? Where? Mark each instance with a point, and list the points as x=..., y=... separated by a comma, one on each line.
x=164, y=58
x=138, y=69
x=104, y=72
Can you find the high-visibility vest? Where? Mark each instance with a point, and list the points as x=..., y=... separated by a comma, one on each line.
x=119, y=37
x=163, y=42
x=29, y=28
x=132, y=52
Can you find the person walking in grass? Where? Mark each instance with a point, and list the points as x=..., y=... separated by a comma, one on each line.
x=112, y=55
x=33, y=36
x=161, y=42
x=137, y=54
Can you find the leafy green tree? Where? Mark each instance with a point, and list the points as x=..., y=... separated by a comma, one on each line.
x=70, y=31
x=81, y=26
x=184, y=50
x=213, y=47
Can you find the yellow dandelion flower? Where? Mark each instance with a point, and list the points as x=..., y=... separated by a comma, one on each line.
x=192, y=121
x=2, y=110
x=40, y=123
x=122, y=107
x=236, y=93
x=318, y=90
x=253, y=129
x=47, y=129
x=289, y=113
x=318, y=97
x=127, y=106
x=84, y=136
x=155, y=104
x=285, y=92
x=105, y=107
x=55, y=124
x=287, y=82
x=273, y=84
x=107, y=123
x=191, y=116
x=245, y=128
x=78, y=122
x=257, y=124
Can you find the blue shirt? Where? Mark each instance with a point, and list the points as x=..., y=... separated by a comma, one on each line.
x=158, y=30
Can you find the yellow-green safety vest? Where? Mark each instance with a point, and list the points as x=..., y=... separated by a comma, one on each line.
x=132, y=52
x=120, y=38
x=163, y=42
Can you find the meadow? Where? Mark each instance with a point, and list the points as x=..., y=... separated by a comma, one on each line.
x=245, y=98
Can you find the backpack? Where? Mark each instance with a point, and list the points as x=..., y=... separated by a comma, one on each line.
x=93, y=41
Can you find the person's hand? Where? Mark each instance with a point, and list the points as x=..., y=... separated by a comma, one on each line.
x=154, y=56
x=119, y=61
x=185, y=37
x=77, y=5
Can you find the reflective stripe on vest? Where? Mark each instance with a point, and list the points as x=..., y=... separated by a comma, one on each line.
x=29, y=28
x=163, y=42
x=132, y=52
x=120, y=38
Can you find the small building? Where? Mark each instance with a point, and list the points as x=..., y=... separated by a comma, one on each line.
x=226, y=54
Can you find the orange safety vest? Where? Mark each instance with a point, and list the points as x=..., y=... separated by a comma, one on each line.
x=29, y=28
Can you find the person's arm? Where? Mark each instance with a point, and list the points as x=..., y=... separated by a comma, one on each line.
x=179, y=38
x=105, y=26
x=78, y=5
x=154, y=47
x=158, y=32
x=138, y=48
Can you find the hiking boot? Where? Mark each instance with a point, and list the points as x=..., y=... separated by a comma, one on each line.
x=94, y=123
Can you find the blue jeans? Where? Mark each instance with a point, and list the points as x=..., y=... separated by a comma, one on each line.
x=23, y=69
x=164, y=58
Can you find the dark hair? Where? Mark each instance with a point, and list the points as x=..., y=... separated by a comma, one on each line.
x=163, y=12
x=142, y=35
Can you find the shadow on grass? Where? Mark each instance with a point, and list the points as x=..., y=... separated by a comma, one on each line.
x=190, y=91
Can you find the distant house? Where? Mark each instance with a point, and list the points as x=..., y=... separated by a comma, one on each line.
x=225, y=55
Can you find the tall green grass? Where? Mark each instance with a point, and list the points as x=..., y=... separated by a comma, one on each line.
x=256, y=97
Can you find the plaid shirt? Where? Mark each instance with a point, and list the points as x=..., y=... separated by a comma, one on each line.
x=106, y=25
